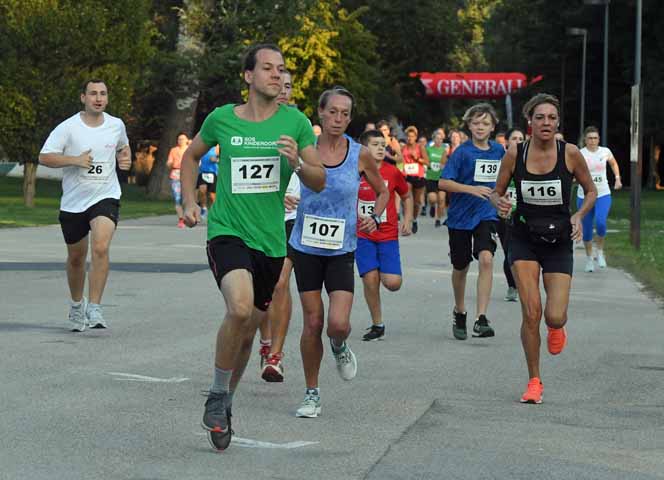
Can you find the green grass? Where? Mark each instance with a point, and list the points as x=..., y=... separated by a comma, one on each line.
x=47, y=203
x=647, y=263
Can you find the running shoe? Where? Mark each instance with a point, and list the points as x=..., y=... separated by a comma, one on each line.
x=217, y=420
x=556, y=339
x=482, y=328
x=590, y=265
x=204, y=212
x=437, y=224
x=181, y=223
x=375, y=332
x=77, y=316
x=423, y=213
x=432, y=212
x=264, y=352
x=459, y=325
x=512, y=294
x=310, y=407
x=533, y=393
x=346, y=362
x=95, y=316
x=273, y=371
x=414, y=229
x=601, y=261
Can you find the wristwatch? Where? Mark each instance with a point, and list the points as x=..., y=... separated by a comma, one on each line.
x=376, y=219
x=299, y=165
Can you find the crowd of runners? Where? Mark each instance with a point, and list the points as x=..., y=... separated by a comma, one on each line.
x=279, y=195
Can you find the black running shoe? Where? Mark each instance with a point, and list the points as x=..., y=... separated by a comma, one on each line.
x=375, y=332
x=459, y=326
x=482, y=328
x=414, y=229
x=423, y=213
x=217, y=420
x=437, y=224
x=432, y=212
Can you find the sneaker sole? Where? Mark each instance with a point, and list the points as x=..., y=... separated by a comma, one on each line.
x=219, y=440
x=365, y=339
x=271, y=375
x=99, y=326
x=484, y=334
x=531, y=402
x=459, y=336
x=314, y=415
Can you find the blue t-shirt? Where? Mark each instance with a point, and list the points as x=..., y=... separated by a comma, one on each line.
x=472, y=166
x=326, y=222
x=207, y=165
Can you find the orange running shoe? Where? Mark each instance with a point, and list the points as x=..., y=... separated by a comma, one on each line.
x=556, y=340
x=533, y=393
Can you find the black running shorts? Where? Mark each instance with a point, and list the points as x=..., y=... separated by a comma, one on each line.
x=466, y=244
x=432, y=186
x=552, y=258
x=335, y=272
x=226, y=253
x=416, y=182
x=75, y=226
x=289, y=229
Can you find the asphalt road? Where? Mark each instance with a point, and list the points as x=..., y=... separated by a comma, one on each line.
x=126, y=403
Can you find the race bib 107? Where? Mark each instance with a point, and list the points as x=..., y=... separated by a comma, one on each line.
x=323, y=232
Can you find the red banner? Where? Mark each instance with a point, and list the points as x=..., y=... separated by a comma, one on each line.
x=472, y=85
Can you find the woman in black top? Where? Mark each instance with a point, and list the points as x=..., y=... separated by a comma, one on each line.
x=543, y=229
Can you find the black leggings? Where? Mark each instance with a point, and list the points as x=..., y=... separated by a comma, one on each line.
x=505, y=232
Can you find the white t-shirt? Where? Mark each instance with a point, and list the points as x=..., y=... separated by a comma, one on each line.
x=292, y=189
x=597, y=165
x=83, y=187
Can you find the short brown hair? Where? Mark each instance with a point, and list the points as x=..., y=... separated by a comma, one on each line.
x=538, y=100
x=411, y=128
x=480, y=109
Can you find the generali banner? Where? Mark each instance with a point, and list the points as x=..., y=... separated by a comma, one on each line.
x=472, y=85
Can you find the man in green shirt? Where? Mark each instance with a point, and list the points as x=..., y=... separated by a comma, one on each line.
x=437, y=160
x=261, y=143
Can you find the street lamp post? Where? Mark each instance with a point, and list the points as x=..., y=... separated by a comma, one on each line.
x=581, y=32
x=605, y=75
x=636, y=150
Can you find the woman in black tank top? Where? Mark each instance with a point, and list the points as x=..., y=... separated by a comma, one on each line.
x=543, y=170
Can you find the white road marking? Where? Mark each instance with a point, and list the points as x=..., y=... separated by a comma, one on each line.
x=131, y=377
x=249, y=443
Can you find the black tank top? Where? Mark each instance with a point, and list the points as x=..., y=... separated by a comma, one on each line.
x=542, y=196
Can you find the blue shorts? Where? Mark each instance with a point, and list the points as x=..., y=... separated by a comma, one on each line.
x=382, y=256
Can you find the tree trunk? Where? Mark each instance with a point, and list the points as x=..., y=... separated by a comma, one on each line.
x=29, y=183
x=182, y=111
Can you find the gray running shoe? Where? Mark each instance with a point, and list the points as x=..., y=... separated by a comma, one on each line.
x=77, y=316
x=310, y=407
x=346, y=362
x=459, y=325
x=512, y=294
x=217, y=420
x=95, y=316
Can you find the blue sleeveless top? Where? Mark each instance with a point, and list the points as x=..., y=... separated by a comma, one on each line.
x=326, y=222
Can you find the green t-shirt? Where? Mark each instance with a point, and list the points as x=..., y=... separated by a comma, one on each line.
x=435, y=161
x=253, y=177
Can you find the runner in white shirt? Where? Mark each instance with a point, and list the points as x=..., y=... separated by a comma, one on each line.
x=87, y=146
x=597, y=158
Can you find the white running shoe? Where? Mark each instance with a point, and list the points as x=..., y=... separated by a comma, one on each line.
x=512, y=294
x=310, y=407
x=95, y=316
x=590, y=265
x=601, y=261
x=346, y=362
x=77, y=316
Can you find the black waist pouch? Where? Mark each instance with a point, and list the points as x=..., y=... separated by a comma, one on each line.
x=548, y=231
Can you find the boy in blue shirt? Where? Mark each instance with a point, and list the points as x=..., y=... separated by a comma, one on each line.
x=469, y=177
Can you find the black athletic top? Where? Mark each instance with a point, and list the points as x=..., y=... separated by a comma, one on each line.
x=542, y=196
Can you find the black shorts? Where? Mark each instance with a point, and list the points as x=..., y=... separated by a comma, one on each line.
x=226, y=253
x=432, y=186
x=211, y=186
x=337, y=272
x=416, y=182
x=552, y=258
x=75, y=226
x=466, y=244
x=289, y=249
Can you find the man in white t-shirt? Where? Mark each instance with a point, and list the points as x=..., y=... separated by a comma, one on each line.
x=87, y=146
